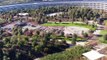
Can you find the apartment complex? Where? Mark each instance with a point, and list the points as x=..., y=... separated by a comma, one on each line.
x=101, y=5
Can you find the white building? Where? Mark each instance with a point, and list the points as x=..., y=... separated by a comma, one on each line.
x=94, y=4
x=91, y=4
x=93, y=55
x=23, y=14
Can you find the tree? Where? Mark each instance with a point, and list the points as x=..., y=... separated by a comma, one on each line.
x=20, y=30
x=60, y=21
x=1, y=54
x=74, y=38
x=12, y=54
x=6, y=40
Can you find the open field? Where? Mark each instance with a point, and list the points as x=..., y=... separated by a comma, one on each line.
x=69, y=24
x=103, y=32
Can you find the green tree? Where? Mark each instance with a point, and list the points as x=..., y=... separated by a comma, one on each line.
x=1, y=54
x=74, y=39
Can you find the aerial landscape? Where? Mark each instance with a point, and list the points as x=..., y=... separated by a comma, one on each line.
x=53, y=30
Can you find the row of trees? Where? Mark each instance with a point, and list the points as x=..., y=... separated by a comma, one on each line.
x=74, y=53
x=69, y=13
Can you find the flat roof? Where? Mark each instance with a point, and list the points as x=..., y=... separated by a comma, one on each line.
x=93, y=55
x=23, y=14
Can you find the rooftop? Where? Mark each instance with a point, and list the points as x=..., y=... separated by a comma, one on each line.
x=93, y=55
x=23, y=14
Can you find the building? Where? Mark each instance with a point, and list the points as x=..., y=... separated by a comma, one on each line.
x=94, y=4
x=23, y=14
x=93, y=55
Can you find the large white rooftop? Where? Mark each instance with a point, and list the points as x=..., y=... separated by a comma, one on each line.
x=53, y=14
x=23, y=14
x=93, y=55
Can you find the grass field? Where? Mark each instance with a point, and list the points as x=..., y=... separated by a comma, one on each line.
x=69, y=24
x=103, y=32
x=70, y=38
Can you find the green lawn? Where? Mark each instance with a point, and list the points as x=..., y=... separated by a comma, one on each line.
x=70, y=38
x=69, y=24
x=103, y=32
